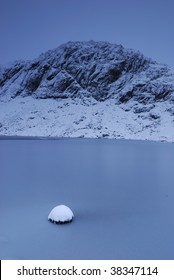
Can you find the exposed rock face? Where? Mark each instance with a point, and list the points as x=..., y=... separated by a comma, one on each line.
x=97, y=69
x=68, y=85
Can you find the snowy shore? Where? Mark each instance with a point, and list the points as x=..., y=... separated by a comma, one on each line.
x=84, y=118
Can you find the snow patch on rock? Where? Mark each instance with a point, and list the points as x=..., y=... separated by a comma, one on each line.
x=61, y=214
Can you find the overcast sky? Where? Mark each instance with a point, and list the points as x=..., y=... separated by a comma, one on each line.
x=29, y=27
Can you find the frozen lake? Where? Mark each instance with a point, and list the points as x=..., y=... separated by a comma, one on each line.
x=121, y=193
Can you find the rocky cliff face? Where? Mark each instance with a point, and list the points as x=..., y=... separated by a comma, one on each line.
x=88, y=89
x=89, y=69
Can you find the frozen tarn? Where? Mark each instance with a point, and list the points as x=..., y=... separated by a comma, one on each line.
x=120, y=191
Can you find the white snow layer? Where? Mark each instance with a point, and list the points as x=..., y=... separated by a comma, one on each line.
x=61, y=213
x=26, y=116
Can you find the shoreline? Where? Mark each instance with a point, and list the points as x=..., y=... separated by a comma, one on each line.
x=18, y=137
x=49, y=119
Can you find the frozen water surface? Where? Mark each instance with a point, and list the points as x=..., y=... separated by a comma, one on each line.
x=121, y=193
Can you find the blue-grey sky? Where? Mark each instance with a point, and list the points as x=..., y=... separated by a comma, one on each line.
x=29, y=27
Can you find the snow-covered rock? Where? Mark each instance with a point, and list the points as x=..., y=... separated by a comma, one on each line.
x=88, y=89
x=61, y=214
x=97, y=69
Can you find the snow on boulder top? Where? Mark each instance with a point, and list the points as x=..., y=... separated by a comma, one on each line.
x=61, y=214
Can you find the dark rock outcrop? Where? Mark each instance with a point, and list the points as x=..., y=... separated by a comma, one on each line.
x=97, y=69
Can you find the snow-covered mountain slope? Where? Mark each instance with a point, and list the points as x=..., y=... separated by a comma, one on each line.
x=88, y=89
x=75, y=118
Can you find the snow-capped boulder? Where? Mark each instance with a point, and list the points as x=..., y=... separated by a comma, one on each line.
x=61, y=214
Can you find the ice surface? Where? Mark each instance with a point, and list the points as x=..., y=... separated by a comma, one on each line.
x=121, y=192
x=61, y=213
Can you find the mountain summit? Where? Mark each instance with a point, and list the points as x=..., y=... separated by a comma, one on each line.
x=96, y=69
x=88, y=89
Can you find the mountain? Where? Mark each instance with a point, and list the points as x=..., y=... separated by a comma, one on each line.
x=115, y=92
